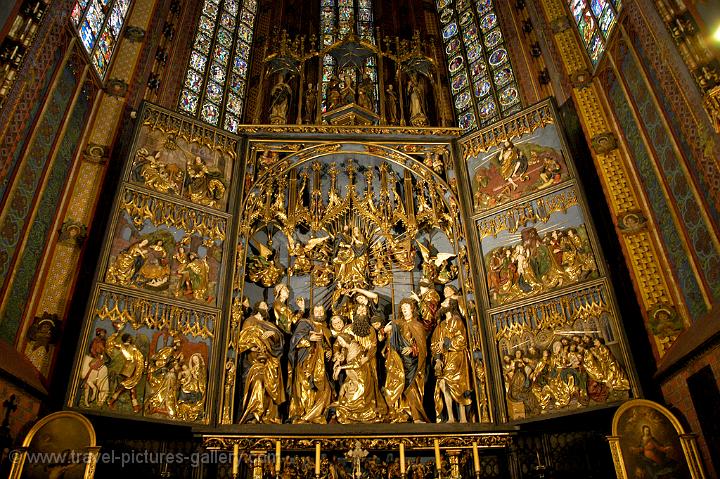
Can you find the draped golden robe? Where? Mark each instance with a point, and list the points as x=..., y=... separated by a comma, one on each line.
x=449, y=343
x=310, y=390
x=405, y=383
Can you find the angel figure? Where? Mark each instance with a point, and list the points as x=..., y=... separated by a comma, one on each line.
x=264, y=267
x=303, y=254
x=436, y=266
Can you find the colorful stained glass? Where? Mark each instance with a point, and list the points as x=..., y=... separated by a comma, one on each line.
x=188, y=101
x=487, y=109
x=234, y=104
x=474, y=52
x=483, y=6
x=224, y=37
x=227, y=20
x=243, y=50
x=478, y=69
x=597, y=7
x=488, y=22
x=450, y=30
x=470, y=34
x=459, y=82
x=446, y=16
x=240, y=66
x=87, y=37
x=76, y=14
x=498, y=57
x=210, y=9
x=214, y=92
x=456, y=64
x=508, y=96
x=231, y=123
x=206, y=24
x=217, y=73
x=245, y=33
x=466, y=18
x=462, y=100
x=210, y=113
x=443, y=3
x=94, y=17
x=247, y=17
x=502, y=77
x=493, y=39
x=221, y=54
x=231, y=6
x=482, y=88
x=193, y=81
x=466, y=120
x=599, y=16
x=452, y=46
x=251, y=5
x=197, y=61
x=237, y=85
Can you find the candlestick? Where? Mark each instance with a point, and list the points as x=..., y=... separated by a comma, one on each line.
x=236, y=463
x=317, y=458
x=277, y=457
x=438, y=461
x=476, y=457
x=402, y=458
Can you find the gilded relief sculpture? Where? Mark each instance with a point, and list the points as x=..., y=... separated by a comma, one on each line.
x=310, y=237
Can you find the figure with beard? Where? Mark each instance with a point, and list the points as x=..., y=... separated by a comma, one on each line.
x=263, y=389
x=428, y=303
x=310, y=389
x=405, y=363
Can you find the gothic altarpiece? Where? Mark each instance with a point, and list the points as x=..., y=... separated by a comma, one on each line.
x=291, y=289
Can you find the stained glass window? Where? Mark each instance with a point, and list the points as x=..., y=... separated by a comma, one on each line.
x=594, y=20
x=215, y=82
x=336, y=21
x=482, y=81
x=98, y=23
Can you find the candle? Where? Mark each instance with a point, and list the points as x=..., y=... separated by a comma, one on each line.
x=438, y=462
x=236, y=464
x=476, y=458
x=402, y=458
x=277, y=457
x=317, y=458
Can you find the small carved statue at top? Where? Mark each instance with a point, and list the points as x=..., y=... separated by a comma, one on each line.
x=391, y=100
x=310, y=103
x=416, y=95
x=280, y=97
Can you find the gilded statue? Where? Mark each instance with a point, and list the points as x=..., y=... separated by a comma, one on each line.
x=303, y=254
x=156, y=175
x=203, y=186
x=263, y=389
x=131, y=362
x=451, y=356
x=285, y=318
x=280, y=97
x=127, y=263
x=193, y=386
x=194, y=277
x=310, y=389
x=264, y=268
x=154, y=274
x=366, y=93
x=436, y=266
x=428, y=302
x=350, y=259
x=405, y=365
x=360, y=399
x=162, y=374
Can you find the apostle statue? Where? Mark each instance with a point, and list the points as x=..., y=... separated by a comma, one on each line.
x=449, y=346
x=263, y=391
x=280, y=95
x=405, y=364
x=310, y=389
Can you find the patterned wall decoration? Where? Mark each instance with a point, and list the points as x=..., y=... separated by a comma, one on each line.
x=695, y=263
x=482, y=81
x=98, y=24
x=35, y=168
x=151, y=328
x=215, y=81
x=554, y=321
